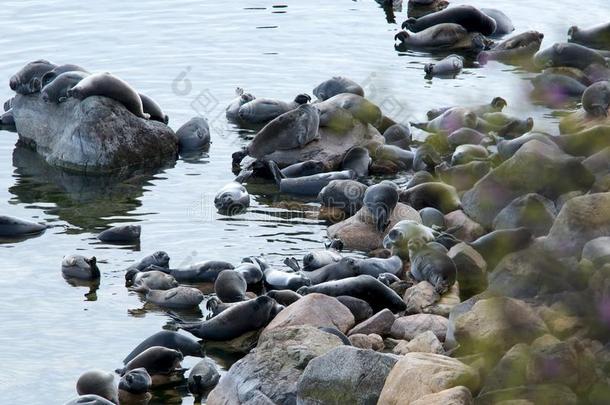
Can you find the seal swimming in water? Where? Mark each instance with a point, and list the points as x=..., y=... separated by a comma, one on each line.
x=97, y=382
x=469, y=17
x=28, y=79
x=596, y=99
x=150, y=107
x=293, y=129
x=263, y=110
x=380, y=200
x=108, y=85
x=337, y=85
x=232, y=199
x=121, y=233
x=79, y=267
x=202, y=378
x=597, y=37
x=428, y=264
x=171, y=340
x=57, y=90
x=236, y=320
x=450, y=66
x=230, y=286
x=13, y=227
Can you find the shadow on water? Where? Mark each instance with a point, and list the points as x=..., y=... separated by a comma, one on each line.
x=86, y=202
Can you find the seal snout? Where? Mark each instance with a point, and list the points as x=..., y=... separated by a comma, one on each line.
x=13, y=83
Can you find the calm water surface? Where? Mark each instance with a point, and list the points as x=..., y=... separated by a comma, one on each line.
x=190, y=56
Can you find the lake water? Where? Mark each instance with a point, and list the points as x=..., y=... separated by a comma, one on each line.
x=190, y=56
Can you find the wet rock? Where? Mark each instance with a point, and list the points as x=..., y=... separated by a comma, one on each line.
x=531, y=211
x=544, y=394
x=359, y=233
x=580, y=220
x=345, y=375
x=471, y=269
x=453, y=396
x=315, y=310
x=466, y=229
x=380, y=324
x=419, y=374
x=407, y=327
x=535, y=168
x=96, y=135
x=271, y=371
x=425, y=342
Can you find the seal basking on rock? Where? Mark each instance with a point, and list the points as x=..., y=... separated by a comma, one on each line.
x=337, y=85
x=28, y=79
x=380, y=200
x=596, y=99
x=428, y=264
x=52, y=75
x=597, y=37
x=471, y=18
x=263, y=110
x=153, y=109
x=57, y=90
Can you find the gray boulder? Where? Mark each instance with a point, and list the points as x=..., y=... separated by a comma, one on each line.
x=531, y=211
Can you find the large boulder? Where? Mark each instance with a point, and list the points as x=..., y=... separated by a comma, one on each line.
x=359, y=233
x=465, y=229
x=531, y=211
x=408, y=327
x=96, y=135
x=543, y=394
x=419, y=374
x=316, y=310
x=272, y=370
x=379, y=324
x=471, y=269
x=580, y=220
x=510, y=371
x=452, y=396
x=345, y=375
x=535, y=168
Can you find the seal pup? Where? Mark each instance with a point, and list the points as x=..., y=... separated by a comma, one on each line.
x=28, y=79
x=171, y=340
x=108, y=85
x=152, y=108
x=293, y=129
x=337, y=85
x=596, y=99
x=13, y=227
x=202, y=378
x=380, y=200
x=121, y=234
x=98, y=382
x=232, y=110
x=399, y=236
x=467, y=153
x=428, y=264
x=79, y=267
x=469, y=17
x=162, y=364
x=57, y=90
x=230, y=286
x=263, y=110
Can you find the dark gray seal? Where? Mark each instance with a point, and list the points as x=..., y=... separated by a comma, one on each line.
x=108, y=85
x=450, y=66
x=570, y=55
x=597, y=37
x=380, y=200
x=431, y=217
x=263, y=110
x=398, y=135
x=121, y=233
x=98, y=382
x=7, y=119
x=462, y=177
x=153, y=109
x=293, y=129
x=437, y=195
x=283, y=280
x=426, y=157
x=28, y=79
x=202, y=378
x=136, y=381
x=556, y=89
x=171, y=340
x=307, y=185
x=596, y=99
x=14, y=227
x=306, y=168
x=359, y=308
x=159, y=259
x=337, y=85
x=515, y=50
x=57, y=90
x=152, y=280
x=344, y=268
x=503, y=24
x=359, y=107
x=508, y=147
x=497, y=104
x=396, y=155
x=358, y=160
x=232, y=110
x=250, y=271
x=52, y=75
x=346, y=195
x=160, y=362
x=194, y=135
x=202, y=272
x=230, y=286
x=469, y=17
x=236, y=320
x=505, y=125
x=232, y=199
x=375, y=266
x=497, y=244
x=442, y=37
x=79, y=267
x=284, y=297
x=419, y=177
x=428, y=264
x=180, y=297
x=364, y=287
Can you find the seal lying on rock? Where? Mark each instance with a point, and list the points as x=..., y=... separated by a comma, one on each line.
x=358, y=106
x=337, y=85
x=442, y=37
x=399, y=236
x=52, y=75
x=134, y=383
x=514, y=50
x=344, y=268
x=503, y=24
x=153, y=109
x=203, y=377
x=169, y=339
x=438, y=195
x=497, y=244
x=595, y=37
x=175, y=298
x=161, y=363
x=307, y=185
x=202, y=272
x=232, y=110
x=497, y=104
x=57, y=90
x=596, y=99
x=152, y=280
x=108, y=85
x=381, y=199
x=29, y=78
x=376, y=266
x=346, y=195
x=230, y=286
x=428, y=264
x=570, y=55
x=469, y=17
x=263, y=110
x=322, y=257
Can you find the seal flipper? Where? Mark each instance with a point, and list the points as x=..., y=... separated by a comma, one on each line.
x=276, y=172
x=292, y=263
x=243, y=176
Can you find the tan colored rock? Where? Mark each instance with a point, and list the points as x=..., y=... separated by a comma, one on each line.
x=419, y=297
x=407, y=327
x=425, y=342
x=360, y=341
x=467, y=229
x=452, y=396
x=380, y=323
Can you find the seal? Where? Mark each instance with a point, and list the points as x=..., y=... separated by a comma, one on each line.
x=79, y=267
x=504, y=25
x=250, y=271
x=452, y=119
x=7, y=119
x=202, y=272
x=462, y=177
x=497, y=104
x=293, y=129
x=467, y=153
x=108, y=85
x=136, y=382
x=364, y=287
x=263, y=110
x=402, y=158
x=162, y=364
x=232, y=110
x=8, y=104
x=570, y=55
x=153, y=109
x=282, y=280
x=376, y=266
x=465, y=136
x=596, y=99
x=504, y=125
x=437, y=195
x=57, y=90
x=175, y=298
x=322, y=257
x=507, y=148
x=98, y=382
x=497, y=244
x=358, y=160
x=469, y=17
x=515, y=50
x=359, y=308
x=426, y=157
x=28, y=79
x=431, y=217
x=230, y=286
x=380, y=200
x=428, y=264
x=14, y=227
x=236, y=320
x=202, y=378
x=171, y=340
x=556, y=89
x=335, y=118
x=597, y=37
x=346, y=195
x=284, y=297
x=232, y=199
x=121, y=234
x=306, y=168
x=307, y=185
x=359, y=107
x=89, y=400
x=388, y=279
x=441, y=37
x=398, y=135
x=337, y=85
x=450, y=66
x=399, y=236
x=419, y=177
x=52, y=75
x=152, y=280
x=344, y=268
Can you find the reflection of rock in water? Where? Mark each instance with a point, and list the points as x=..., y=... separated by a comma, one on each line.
x=83, y=201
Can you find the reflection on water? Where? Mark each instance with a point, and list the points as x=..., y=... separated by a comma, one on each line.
x=190, y=55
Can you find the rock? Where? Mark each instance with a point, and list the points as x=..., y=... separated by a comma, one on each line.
x=272, y=370
x=407, y=327
x=376, y=342
x=559, y=323
x=597, y=250
x=510, y=370
x=96, y=135
x=544, y=394
x=535, y=168
x=316, y=310
x=380, y=324
x=466, y=229
x=471, y=269
x=453, y=396
x=599, y=163
x=242, y=344
x=580, y=220
x=425, y=342
x=447, y=302
x=358, y=232
x=419, y=374
x=371, y=342
x=495, y=324
x=345, y=375
x=419, y=297
x=587, y=141
x=531, y=211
